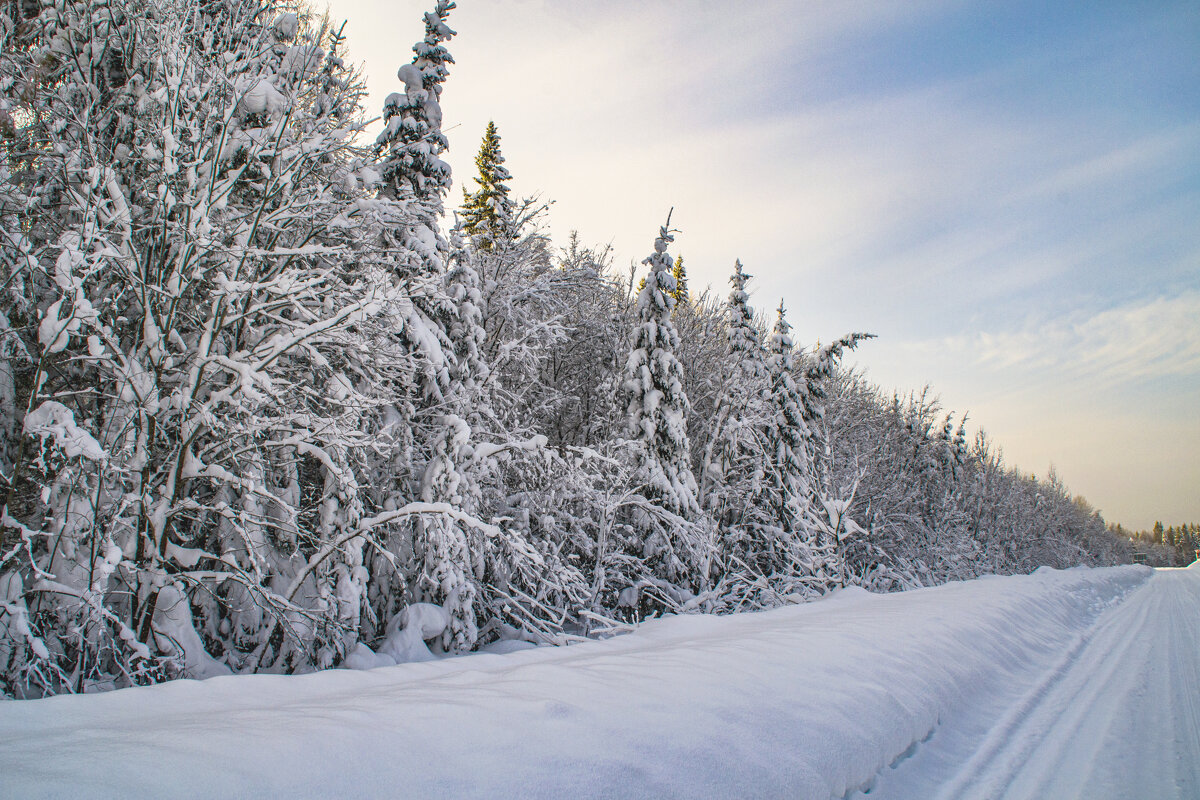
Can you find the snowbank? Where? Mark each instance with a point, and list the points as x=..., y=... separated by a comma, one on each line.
x=805, y=701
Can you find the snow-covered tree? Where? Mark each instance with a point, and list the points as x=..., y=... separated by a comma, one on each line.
x=581, y=370
x=677, y=542
x=195, y=381
x=734, y=460
x=680, y=292
x=440, y=547
x=412, y=140
x=657, y=405
x=790, y=476
x=257, y=412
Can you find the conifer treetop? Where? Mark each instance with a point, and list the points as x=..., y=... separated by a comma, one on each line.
x=781, y=340
x=743, y=334
x=412, y=141
x=679, y=273
x=487, y=212
x=681, y=286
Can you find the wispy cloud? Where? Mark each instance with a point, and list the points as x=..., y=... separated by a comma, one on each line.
x=1129, y=344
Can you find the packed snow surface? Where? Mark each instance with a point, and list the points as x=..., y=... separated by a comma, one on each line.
x=1083, y=683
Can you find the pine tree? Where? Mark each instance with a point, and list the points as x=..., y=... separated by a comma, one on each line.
x=488, y=211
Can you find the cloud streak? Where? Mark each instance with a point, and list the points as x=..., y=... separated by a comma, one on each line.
x=1117, y=347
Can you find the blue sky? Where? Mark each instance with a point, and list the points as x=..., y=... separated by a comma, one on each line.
x=1007, y=193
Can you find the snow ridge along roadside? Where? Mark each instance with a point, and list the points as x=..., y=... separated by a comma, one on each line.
x=811, y=701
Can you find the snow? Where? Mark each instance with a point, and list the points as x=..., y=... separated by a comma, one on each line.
x=263, y=98
x=173, y=630
x=414, y=82
x=286, y=25
x=54, y=333
x=405, y=640
x=301, y=61
x=1057, y=684
x=53, y=420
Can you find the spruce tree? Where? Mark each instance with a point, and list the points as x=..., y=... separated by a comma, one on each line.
x=792, y=492
x=658, y=406
x=733, y=457
x=412, y=140
x=488, y=211
x=681, y=284
x=790, y=483
x=442, y=330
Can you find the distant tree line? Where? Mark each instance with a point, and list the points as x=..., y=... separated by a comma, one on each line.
x=1173, y=546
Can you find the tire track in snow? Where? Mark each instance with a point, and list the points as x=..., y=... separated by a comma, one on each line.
x=1118, y=717
x=972, y=731
x=1187, y=714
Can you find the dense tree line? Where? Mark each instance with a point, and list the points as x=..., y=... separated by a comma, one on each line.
x=1172, y=546
x=267, y=408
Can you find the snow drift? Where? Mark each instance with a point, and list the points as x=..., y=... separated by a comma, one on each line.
x=804, y=701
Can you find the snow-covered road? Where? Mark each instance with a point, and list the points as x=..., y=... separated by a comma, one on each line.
x=1117, y=717
x=1084, y=683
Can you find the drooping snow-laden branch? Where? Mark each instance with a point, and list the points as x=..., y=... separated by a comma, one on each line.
x=366, y=525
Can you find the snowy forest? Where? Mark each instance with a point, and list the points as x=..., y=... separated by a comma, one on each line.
x=275, y=400
x=1164, y=547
